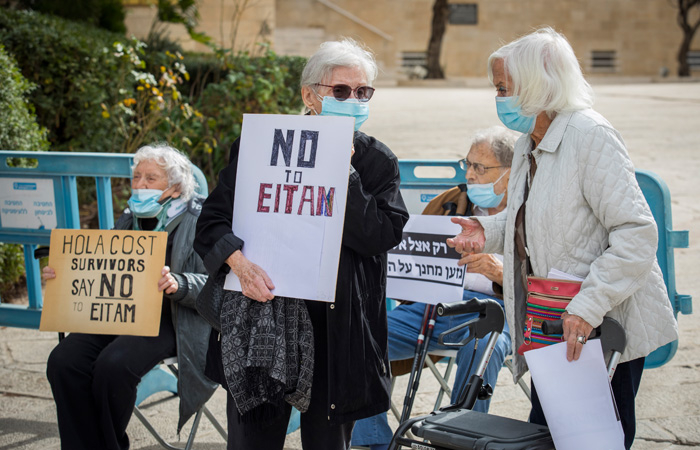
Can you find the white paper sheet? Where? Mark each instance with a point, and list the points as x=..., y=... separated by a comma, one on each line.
x=478, y=282
x=576, y=397
x=291, y=191
x=559, y=275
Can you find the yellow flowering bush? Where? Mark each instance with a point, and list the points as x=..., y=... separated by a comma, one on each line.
x=150, y=106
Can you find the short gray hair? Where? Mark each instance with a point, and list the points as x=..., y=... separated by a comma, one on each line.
x=176, y=165
x=545, y=72
x=332, y=54
x=501, y=142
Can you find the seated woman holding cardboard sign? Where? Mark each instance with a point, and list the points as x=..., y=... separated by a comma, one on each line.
x=94, y=377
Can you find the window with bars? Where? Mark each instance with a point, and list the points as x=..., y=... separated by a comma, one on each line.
x=463, y=14
x=694, y=59
x=604, y=60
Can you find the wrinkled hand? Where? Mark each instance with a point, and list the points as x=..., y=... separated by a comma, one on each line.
x=255, y=283
x=471, y=240
x=486, y=264
x=47, y=273
x=574, y=326
x=167, y=283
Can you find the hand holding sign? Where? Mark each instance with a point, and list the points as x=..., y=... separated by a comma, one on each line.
x=167, y=283
x=255, y=283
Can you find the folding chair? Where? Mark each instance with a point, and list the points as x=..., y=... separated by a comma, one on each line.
x=161, y=380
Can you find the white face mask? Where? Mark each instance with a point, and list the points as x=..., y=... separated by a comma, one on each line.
x=483, y=195
x=144, y=203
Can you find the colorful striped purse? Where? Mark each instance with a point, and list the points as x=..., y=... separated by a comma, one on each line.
x=547, y=299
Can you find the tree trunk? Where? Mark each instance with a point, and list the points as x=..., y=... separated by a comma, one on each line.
x=683, y=66
x=684, y=10
x=437, y=31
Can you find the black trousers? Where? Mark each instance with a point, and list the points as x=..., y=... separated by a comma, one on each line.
x=317, y=433
x=94, y=379
x=625, y=384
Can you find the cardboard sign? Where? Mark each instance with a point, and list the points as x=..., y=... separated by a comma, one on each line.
x=106, y=282
x=27, y=203
x=291, y=189
x=422, y=268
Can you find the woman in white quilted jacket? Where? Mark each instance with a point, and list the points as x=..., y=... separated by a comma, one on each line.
x=585, y=216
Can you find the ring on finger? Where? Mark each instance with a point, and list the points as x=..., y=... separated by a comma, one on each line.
x=581, y=340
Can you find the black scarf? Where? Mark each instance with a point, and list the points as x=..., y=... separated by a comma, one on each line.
x=268, y=354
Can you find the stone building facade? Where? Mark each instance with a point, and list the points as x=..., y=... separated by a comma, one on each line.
x=630, y=38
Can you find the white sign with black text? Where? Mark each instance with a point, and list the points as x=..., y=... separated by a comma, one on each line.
x=291, y=190
x=422, y=268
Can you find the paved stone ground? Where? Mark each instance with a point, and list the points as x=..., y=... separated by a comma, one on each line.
x=661, y=126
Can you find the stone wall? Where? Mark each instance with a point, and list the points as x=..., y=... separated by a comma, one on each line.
x=642, y=35
x=256, y=23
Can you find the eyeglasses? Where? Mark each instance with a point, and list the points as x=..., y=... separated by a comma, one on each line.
x=342, y=92
x=480, y=169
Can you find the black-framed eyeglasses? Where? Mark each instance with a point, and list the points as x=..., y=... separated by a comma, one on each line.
x=342, y=92
x=480, y=169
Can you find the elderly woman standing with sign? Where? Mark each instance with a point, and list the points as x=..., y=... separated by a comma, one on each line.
x=350, y=366
x=584, y=214
x=94, y=377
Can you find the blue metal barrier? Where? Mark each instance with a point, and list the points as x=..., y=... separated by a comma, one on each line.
x=53, y=179
x=422, y=180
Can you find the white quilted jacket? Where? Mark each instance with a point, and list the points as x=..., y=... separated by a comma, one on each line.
x=586, y=216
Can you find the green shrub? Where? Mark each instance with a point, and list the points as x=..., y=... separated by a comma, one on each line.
x=74, y=71
x=11, y=267
x=268, y=84
x=18, y=131
x=107, y=14
x=18, y=127
x=88, y=98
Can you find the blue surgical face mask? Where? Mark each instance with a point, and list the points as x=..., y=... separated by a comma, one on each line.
x=144, y=202
x=350, y=107
x=483, y=195
x=512, y=117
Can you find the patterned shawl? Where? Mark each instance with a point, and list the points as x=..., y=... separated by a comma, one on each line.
x=268, y=354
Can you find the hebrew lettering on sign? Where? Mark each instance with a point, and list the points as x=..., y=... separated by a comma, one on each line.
x=422, y=267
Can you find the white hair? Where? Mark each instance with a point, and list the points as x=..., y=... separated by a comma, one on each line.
x=500, y=140
x=332, y=54
x=176, y=165
x=545, y=73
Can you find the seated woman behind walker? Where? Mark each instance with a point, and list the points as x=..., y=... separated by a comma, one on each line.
x=94, y=377
x=488, y=169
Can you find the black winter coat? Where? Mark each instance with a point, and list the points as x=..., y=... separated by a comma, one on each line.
x=375, y=214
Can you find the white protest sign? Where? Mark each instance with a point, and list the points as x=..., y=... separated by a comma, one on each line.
x=27, y=203
x=576, y=397
x=291, y=189
x=422, y=268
